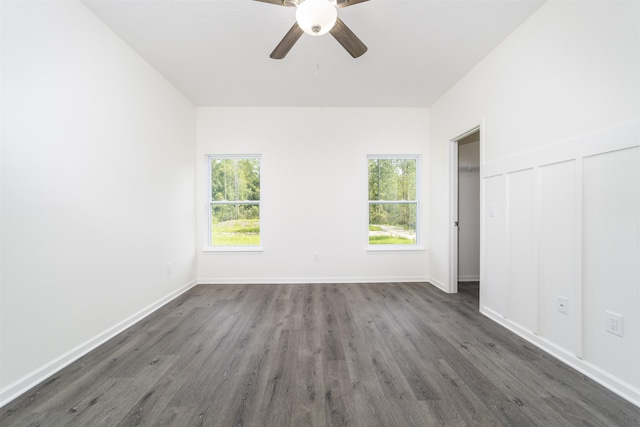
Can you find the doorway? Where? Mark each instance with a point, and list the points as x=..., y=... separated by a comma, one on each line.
x=465, y=213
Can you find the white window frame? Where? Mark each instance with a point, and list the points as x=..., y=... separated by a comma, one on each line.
x=209, y=203
x=417, y=246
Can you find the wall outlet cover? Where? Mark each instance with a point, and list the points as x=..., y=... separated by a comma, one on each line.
x=613, y=323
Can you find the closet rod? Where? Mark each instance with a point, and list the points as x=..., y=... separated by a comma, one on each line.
x=469, y=168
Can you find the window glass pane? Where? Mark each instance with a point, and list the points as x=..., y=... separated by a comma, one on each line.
x=235, y=201
x=392, y=223
x=392, y=179
x=223, y=179
x=235, y=179
x=235, y=225
x=248, y=179
x=393, y=204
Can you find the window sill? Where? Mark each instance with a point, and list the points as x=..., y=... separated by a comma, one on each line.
x=395, y=248
x=227, y=249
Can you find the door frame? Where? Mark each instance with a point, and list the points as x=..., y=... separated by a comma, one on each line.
x=453, y=203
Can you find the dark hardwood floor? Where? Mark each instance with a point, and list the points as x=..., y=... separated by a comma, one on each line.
x=402, y=354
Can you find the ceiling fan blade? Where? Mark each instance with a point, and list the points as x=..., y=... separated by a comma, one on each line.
x=287, y=42
x=347, y=3
x=287, y=3
x=348, y=39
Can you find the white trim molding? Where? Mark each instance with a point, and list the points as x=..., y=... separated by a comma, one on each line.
x=548, y=198
x=438, y=284
x=27, y=382
x=307, y=280
x=611, y=382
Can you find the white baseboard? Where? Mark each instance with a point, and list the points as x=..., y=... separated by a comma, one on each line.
x=22, y=385
x=468, y=278
x=443, y=287
x=611, y=382
x=305, y=280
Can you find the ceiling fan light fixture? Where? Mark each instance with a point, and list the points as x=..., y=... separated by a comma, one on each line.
x=316, y=17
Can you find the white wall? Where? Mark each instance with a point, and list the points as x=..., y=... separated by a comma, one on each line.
x=97, y=188
x=469, y=212
x=314, y=191
x=558, y=103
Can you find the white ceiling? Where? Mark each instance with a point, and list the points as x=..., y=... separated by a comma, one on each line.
x=216, y=52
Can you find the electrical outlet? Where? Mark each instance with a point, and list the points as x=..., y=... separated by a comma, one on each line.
x=613, y=323
x=168, y=268
x=563, y=305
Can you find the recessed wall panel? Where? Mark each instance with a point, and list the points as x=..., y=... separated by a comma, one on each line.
x=494, y=289
x=611, y=260
x=521, y=271
x=558, y=254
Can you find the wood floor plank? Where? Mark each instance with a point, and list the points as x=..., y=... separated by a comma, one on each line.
x=369, y=398
x=375, y=354
x=276, y=406
x=307, y=398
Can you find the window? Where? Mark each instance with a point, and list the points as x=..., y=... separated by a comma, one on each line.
x=393, y=200
x=234, y=205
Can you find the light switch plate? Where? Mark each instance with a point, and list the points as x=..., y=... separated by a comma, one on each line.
x=492, y=209
x=563, y=305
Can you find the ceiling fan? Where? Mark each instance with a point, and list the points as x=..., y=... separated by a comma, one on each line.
x=318, y=17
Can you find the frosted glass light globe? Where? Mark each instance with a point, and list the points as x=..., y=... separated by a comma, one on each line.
x=316, y=17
